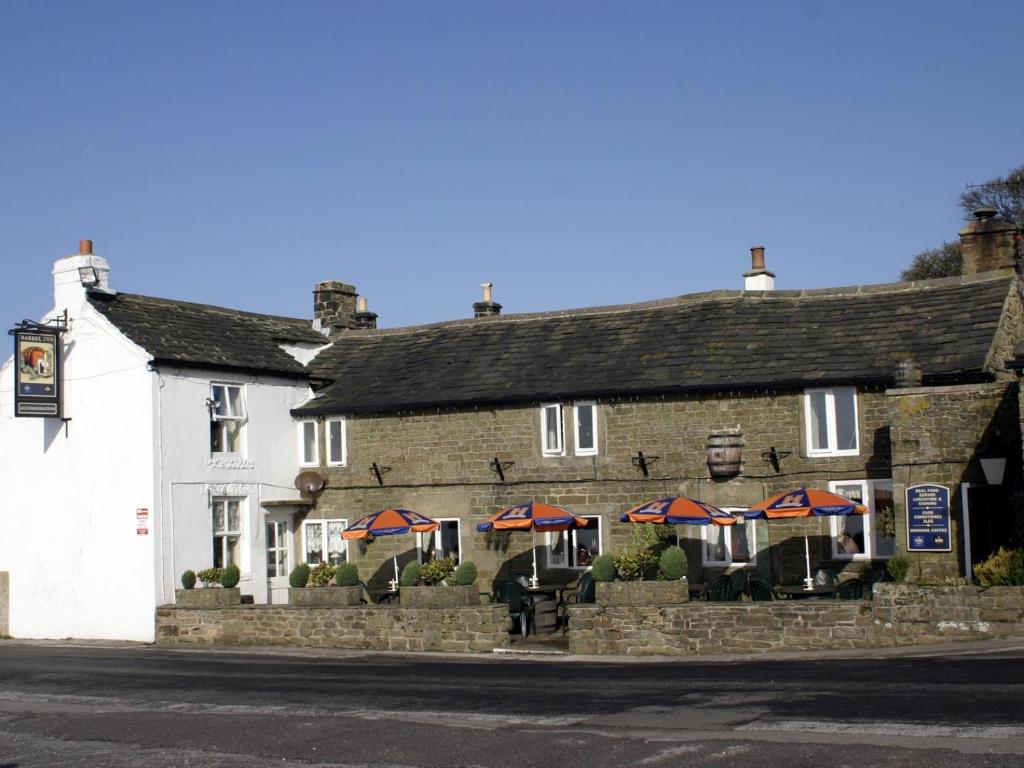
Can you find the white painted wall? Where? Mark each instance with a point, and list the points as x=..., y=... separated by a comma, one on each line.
x=191, y=476
x=137, y=439
x=68, y=499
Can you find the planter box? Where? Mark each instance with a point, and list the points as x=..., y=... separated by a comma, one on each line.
x=210, y=597
x=439, y=597
x=324, y=597
x=643, y=592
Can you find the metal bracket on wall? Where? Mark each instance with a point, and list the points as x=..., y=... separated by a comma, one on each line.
x=644, y=461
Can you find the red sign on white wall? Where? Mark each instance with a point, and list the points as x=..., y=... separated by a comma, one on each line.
x=142, y=521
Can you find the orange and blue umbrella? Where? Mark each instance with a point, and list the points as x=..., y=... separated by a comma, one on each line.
x=532, y=516
x=678, y=510
x=804, y=502
x=390, y=522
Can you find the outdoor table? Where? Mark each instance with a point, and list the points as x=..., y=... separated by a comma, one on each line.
x=799, y=592
x=544, y=599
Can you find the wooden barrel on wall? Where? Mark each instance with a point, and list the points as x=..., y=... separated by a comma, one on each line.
x=725, y=453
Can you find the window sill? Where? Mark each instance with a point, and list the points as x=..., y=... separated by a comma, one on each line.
x=830, y=454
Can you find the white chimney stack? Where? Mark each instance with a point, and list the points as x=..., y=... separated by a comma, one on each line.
x=758, y=278
x=75, y=274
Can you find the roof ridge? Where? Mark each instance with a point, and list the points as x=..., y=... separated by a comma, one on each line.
x=108, y=296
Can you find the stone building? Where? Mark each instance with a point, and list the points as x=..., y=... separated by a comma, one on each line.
x=864, y=391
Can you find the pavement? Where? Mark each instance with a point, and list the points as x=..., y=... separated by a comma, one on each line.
x=555, y=648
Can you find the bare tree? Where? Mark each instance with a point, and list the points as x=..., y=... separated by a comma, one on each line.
x=1006, y=195
x=944, y=261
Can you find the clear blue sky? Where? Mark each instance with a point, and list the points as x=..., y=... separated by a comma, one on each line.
x=574, y=153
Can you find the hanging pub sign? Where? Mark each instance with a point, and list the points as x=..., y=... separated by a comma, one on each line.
x=928, y=528
x=37, y=373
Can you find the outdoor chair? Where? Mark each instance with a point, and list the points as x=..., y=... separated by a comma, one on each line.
x=583, y=592
x=721, y=589
x=759, y=589
x=520, y=606
x=825, y=577
x=850, y=589
x=364, y=592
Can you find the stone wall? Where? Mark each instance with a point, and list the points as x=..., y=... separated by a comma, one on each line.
x=899, y=614
x=377, y=627
x=937, y=435
x=439, y=466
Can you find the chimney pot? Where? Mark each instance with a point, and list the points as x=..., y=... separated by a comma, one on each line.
x=487, y=290
x=757, y=258
x=758, y=278
x=85, y=247
x=488, y=306
x=361, y=304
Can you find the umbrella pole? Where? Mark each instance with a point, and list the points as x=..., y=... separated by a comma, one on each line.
x=533, y=536
x=395, y=558
x=808, y=582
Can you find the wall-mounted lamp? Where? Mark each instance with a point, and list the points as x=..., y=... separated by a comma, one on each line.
x=88, y=276
x=378, y=471
x=644, y=461
x=496, y=465
x=994, y=468
x=775, y=457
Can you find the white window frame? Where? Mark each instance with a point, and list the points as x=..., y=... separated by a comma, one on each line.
x=305, y=459
x=836, y=522
x=727, y=530
x=577, y=407
x=323, y=524
x=223, y=419
x=830, y=422
x=545, y=410
x=342, y=425
x=221, y=536
x=423, y=538
x=563, y=561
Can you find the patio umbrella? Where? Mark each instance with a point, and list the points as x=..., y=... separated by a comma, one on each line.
x=532, y=516
x=390, y=522
x=804, y=502
x=677, y=510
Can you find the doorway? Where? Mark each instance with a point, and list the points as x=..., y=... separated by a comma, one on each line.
x=279, y=558
x=989, y=522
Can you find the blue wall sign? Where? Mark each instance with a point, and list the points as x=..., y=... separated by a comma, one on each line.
x=928, y=528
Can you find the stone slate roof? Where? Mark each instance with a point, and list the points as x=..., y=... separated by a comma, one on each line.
x=203, y=336
x=719, y=341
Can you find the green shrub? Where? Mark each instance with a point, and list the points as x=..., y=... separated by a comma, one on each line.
x=636, y=564
x=672, y=564
x=1005, y=568
x=321, y=575
x=229, y=576
x=465, y=574
x=649, y=536
x=346, y=575
x=188, y=579
x=898, y=567
x=603, y=568
x=299, y=576
x=435, y=572
x=410, y=575
x=209, y=576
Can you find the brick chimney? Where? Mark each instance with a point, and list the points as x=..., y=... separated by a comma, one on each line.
x=334, y=306
x=988, y=243
x=488, y=306
x=364, y=318
x=758, y=278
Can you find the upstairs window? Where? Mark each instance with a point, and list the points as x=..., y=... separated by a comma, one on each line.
x=552, y=430
x=831, y=421
x=586, y=428
x=337, y=451
x=227, y=418
x=309, y=443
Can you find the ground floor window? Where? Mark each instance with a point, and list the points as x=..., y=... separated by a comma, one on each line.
x=576, y=548
x=730, y=544
x=227, y=532
x=322, y=542
x=444, y=542
x=863, y=537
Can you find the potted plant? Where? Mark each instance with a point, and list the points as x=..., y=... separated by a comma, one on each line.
x=325, y=585
x=220, y=588
x=440, y=585
x=648, y=572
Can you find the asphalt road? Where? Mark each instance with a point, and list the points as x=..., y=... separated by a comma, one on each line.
x=109, y=707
